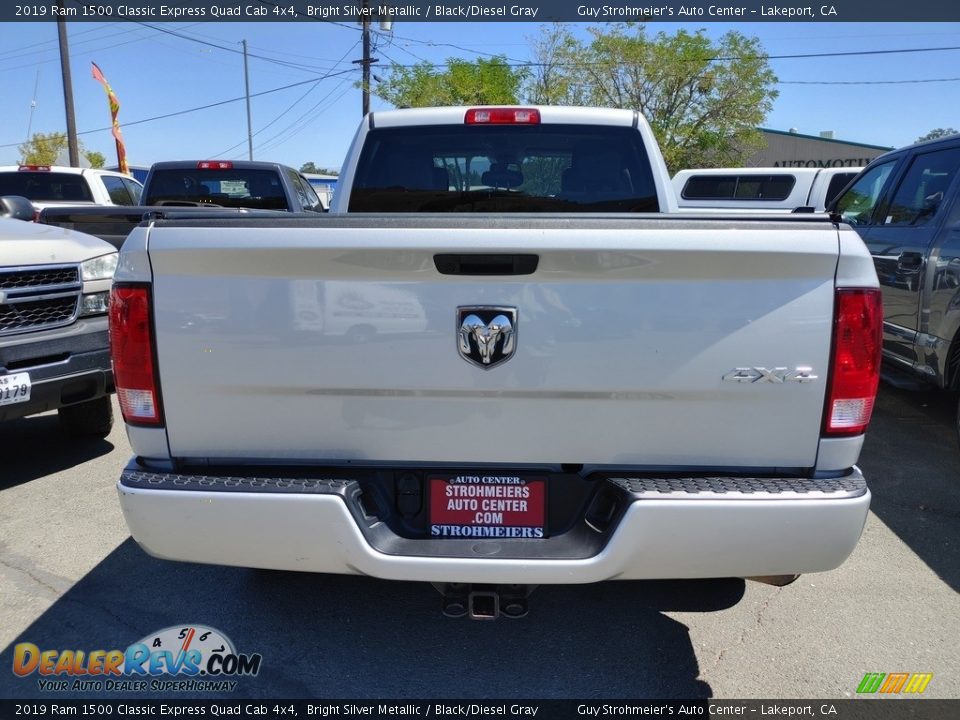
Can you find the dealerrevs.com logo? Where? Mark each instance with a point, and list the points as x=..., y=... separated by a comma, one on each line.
x=894, y=683
x=184, y=658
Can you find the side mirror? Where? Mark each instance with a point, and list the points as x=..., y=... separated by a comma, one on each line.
x=831, y=209
x=17, y=207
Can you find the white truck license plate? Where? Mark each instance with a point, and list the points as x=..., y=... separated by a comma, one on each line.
x=14, y=388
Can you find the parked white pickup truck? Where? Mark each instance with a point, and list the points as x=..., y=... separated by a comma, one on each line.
x=52, y=185
x=589, y=387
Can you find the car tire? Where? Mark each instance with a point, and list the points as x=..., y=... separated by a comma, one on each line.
x=957, y=420
x=93, y=418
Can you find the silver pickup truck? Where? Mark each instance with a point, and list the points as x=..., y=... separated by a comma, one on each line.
x=502, y=361
x=54, y=350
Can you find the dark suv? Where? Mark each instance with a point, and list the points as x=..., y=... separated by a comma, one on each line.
x=905, y=206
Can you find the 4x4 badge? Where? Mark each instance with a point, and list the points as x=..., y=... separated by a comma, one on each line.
x=486, y=335
x=777, y=376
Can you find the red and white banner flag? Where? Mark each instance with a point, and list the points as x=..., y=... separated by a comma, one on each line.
x=114, y=111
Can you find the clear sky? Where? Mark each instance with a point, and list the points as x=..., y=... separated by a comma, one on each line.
x=156, y=73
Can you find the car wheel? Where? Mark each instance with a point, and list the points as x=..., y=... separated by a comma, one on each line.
x=93, y=418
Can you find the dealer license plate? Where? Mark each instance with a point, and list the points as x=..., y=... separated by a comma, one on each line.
x=14, y=388
x=487, y=506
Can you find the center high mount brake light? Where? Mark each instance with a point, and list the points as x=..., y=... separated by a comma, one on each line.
x=502, y=116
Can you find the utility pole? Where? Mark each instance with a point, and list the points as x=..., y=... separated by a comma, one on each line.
x=246, y=80
x=367, y=61
x=72, y=145
x=386, y=25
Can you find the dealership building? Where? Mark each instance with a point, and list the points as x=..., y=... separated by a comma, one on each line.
x=791, y=149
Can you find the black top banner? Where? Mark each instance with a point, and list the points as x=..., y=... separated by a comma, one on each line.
x=492, y=709
x=698, y=11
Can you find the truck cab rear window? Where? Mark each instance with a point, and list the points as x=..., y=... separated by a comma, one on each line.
x=541, y=168
x=837, y=183
x=224, y=188
x=738, y=187
x=46, y=186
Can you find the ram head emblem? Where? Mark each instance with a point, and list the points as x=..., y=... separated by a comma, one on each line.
x=486, y=336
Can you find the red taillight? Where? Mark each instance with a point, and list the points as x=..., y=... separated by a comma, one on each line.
x=131, y=346
x=855, y=364
x=34, y=168
x=502, y=116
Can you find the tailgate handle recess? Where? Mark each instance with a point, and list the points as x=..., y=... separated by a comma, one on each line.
x=486, y=264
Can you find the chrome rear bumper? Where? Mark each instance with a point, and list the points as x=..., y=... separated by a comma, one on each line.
x=666, y=528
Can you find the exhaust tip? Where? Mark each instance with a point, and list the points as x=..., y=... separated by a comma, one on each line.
x=775, y=580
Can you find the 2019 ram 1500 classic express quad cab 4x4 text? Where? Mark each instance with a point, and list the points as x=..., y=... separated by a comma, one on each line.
x=54, y=352
x=559, y=380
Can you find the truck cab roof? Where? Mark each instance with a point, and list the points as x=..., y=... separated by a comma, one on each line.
x=545, y=114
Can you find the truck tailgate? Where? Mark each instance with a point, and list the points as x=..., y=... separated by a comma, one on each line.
x=336, y=339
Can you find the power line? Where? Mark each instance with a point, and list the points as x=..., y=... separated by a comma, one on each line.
x=720, y=58
x=431, y=43
x=210, y=56
x=300, y=123
x=850, y=53
x=206, y=107
x=297, y=13
x=729, y=58
x=794, y=56
x=86, y=52
x=866, y=82
x=291, y=106
x=157, y=29
x=19, y=52
x=225, y=48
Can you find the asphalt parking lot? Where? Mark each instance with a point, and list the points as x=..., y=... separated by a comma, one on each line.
x=72, y=578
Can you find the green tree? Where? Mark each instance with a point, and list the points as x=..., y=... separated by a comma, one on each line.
x=42, y=148
x=551, y=81
x=310, y=167
x=45, y=148
x=937, y=133
x=96, y=159
x=704, y=99
x=485, y=81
